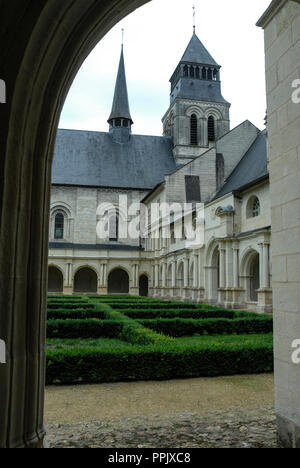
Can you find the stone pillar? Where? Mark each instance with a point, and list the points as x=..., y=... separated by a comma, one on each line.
x=266, y=263
x=103, y=279
x=222, y=267
x=235, y=267
x=68, y=286
x=186, y=273
x=195, y=280
x=156, y=276
x=173, y=274
x=282, y=41
x=164, y=275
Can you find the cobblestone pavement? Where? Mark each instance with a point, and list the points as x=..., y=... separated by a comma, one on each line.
x=253, y=428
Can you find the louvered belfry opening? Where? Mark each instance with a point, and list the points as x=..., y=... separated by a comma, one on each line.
x=211, y=129
x=194, y=130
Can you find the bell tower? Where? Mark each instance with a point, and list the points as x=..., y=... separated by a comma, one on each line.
x=198, y=114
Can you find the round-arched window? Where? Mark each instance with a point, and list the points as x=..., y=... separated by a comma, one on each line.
x=253, y=207
x=59, y=226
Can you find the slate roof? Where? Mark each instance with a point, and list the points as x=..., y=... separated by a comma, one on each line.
x=252, y=168
x=93, y=159
x=120, y=107
x=197, y=53
x=201, y=90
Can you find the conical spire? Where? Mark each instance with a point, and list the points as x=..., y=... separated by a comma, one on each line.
x=120, y=107
x=197, y=53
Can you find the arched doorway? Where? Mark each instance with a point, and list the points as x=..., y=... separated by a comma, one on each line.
x=254, y=278
x=85, y=281
x=118, y=282
x=144, y=286
x=55, y=280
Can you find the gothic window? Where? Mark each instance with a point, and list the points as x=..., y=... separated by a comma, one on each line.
x=215, y=75
x=197, y=72
x=194, y=130
x=210, y=74
x=59, y=226
x=204, y=75
x=118, y=122
x=192, y=72
x=125, y=123
x=211, y=129
x=186, y=71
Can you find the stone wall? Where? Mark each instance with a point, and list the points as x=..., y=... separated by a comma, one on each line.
x=282, y=43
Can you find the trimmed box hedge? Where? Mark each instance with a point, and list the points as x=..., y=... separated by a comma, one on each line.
x=185, y=313
x=187, y=327
x=92, y=328
x=158, y=363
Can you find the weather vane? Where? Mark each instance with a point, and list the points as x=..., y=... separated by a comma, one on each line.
x=194, y=18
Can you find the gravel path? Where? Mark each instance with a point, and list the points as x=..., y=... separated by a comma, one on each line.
x=220, y=412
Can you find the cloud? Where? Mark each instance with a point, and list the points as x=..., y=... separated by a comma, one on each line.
x=156, y=36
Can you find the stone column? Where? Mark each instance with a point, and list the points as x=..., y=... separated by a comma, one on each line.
x=222, y=267
x=68, y=286
x=164, y=275
x=173, y=274
x=235, y=267
x=186, y=273
x=195, y=280
x=266, y=263
x=103, y=279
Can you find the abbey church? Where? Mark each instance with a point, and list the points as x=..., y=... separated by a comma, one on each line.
x=199, y=159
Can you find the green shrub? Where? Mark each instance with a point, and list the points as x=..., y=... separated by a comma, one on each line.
x=134, y=332
x=91, y=328
x=61, y=314
x=184, y=313
x=187, y=327
x=161, y=362
x=68, y=305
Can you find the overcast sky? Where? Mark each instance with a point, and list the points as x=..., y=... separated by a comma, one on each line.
x=156, y=36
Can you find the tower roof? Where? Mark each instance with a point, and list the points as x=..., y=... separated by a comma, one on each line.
x=197, y=53
x=120, y=107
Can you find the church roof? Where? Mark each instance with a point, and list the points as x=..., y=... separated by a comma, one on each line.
x=197, y=53
x=93, y=159
x=120, y=107
x=252, y=167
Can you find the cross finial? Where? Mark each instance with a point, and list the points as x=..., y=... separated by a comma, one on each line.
x=194, y=19
x=123, y=37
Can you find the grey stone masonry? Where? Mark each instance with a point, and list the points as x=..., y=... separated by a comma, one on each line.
x=282, y=43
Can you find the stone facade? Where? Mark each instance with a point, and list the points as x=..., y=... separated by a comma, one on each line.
x=281, y=23
x=232, y=266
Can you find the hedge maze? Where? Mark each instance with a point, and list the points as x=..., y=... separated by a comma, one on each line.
x=122, y=338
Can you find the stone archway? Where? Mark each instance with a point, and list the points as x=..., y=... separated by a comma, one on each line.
x=86, y=281
x=144, y=286
x=118, y=282
x=55, y=280
x=43, y=49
